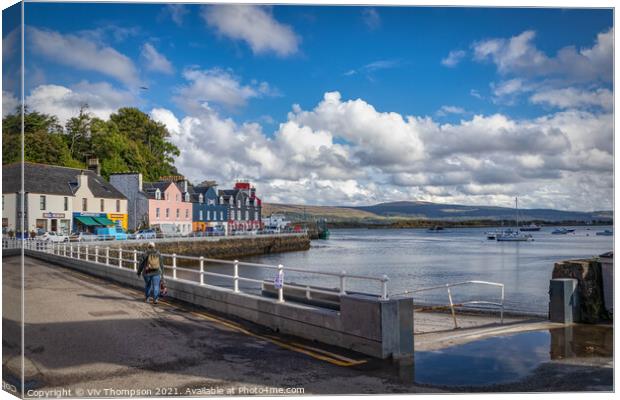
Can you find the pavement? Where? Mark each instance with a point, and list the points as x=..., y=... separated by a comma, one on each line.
x=88, y=337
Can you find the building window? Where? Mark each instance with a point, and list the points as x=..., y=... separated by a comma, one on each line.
x=221, y=215
x=66, y=204
x=186, y=213
x=247, y=201
x=187, y=196
x=232, y=215
x=157, y=195
x=84, y=204
x=200, y=215
x=200, y=199
x=157, y=213
x=221, y=199
x=118, y=206
x=247, y=215
x=167, y=213
x=208, y=215
x=239, y=215
x=255, y=215
x=42, y=202
x=178, y=213
x=102, y=205
x=239, y=203
x=176, y=197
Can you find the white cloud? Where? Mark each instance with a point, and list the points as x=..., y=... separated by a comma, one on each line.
x=518, y=55
x=453, y=58
x=9, y=103
x=218, y=86
x=371, y=18
x=253, y=24
x=64, y=102
x=347, y=152
x=82, y=53
x=177, y=12
x=445, y=110
x=574, y=98
x=154, y=60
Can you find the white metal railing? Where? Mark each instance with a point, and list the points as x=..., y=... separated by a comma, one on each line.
x=447, y=287
x=116, y=257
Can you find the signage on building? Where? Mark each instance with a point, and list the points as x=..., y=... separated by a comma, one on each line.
x=53, y=215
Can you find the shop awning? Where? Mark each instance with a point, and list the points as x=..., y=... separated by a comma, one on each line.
x=103, y=221
x=88, y=221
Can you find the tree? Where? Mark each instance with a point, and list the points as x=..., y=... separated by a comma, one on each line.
x=78, y=134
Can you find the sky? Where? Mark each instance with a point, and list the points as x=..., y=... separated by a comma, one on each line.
x=351, y=105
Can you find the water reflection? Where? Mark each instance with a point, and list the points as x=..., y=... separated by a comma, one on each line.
x=506, y=359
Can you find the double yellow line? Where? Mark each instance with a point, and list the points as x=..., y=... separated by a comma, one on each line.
x=313, y=352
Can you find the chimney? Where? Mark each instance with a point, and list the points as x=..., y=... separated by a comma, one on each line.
x=93, y=165
x=82, y=179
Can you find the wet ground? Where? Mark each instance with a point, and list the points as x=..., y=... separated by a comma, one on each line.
x=83, y=333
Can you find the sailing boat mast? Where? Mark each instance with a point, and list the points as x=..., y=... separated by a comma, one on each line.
x=517, y=208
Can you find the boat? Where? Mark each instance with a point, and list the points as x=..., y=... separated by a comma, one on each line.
x=514, y=236
x=530, y=228
x=436, y=229
x=492, y=235
x=562, y=231
x=606, y=232
x=323, y=231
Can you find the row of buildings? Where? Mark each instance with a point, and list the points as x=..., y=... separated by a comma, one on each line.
x=69, y=200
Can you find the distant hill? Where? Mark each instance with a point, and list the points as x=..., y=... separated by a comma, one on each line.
x=409, y=210
x=456, y=212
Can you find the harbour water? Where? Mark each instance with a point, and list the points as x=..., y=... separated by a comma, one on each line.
x=416, y=258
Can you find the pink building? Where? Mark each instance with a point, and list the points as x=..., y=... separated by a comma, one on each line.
x=169, y=209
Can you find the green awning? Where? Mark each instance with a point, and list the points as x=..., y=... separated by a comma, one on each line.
x=88, y=221
x=104, y=221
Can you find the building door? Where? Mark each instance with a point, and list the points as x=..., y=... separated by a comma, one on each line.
x=54, y=227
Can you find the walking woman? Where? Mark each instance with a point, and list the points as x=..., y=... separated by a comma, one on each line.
x=152, y=270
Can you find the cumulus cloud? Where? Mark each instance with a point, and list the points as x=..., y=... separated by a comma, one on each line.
x=82, y=53
x=348, y=152
x=453, y=58
x=575, y=98
x=518, y=55
x=218, y=86
x=64, y=102
x=9, y=103
x=253, y=24
x=154, y=60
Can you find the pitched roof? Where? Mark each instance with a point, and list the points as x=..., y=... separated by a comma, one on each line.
x=52, y=179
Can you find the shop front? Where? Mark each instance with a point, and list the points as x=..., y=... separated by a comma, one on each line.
x=54, y=222
x=89, y=222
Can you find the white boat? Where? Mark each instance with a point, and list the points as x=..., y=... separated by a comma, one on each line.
x=514, y=236
x=606, y=232
x=530, y=228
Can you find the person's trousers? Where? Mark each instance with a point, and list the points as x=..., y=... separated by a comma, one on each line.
x=151, y=286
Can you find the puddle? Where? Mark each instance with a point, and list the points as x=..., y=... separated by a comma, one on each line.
x=510, y=358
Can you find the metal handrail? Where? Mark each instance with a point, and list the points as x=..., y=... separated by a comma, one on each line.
x=447, y=286
x=102, y=255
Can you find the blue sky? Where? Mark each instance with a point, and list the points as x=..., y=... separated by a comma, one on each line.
x=307, y=100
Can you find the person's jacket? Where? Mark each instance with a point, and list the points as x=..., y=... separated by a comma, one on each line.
x=143, y=261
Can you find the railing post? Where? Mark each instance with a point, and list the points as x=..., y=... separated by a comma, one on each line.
x=70, y=250
x=202, y=270
x=174, y=266
x=342, y=287
x=78, y=251
x=384, y=291
x=120, y=257
x=236, y=276
x=64, y=249
x=107, y=255
x=452, y=307
x=281, y=279
x=96, y=254
x=135, y=259
x=86, y=253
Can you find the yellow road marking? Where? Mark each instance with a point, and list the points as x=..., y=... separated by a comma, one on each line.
x=299, y=348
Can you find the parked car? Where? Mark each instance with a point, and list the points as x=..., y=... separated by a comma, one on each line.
x=111, y=233
x=82, y=237
x=145, y=234
x=53, y=237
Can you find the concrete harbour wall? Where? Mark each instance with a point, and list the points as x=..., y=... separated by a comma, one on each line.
x=225, y=247
x=379, y=328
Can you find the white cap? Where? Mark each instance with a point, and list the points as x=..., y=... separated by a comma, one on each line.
x=151, y=244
